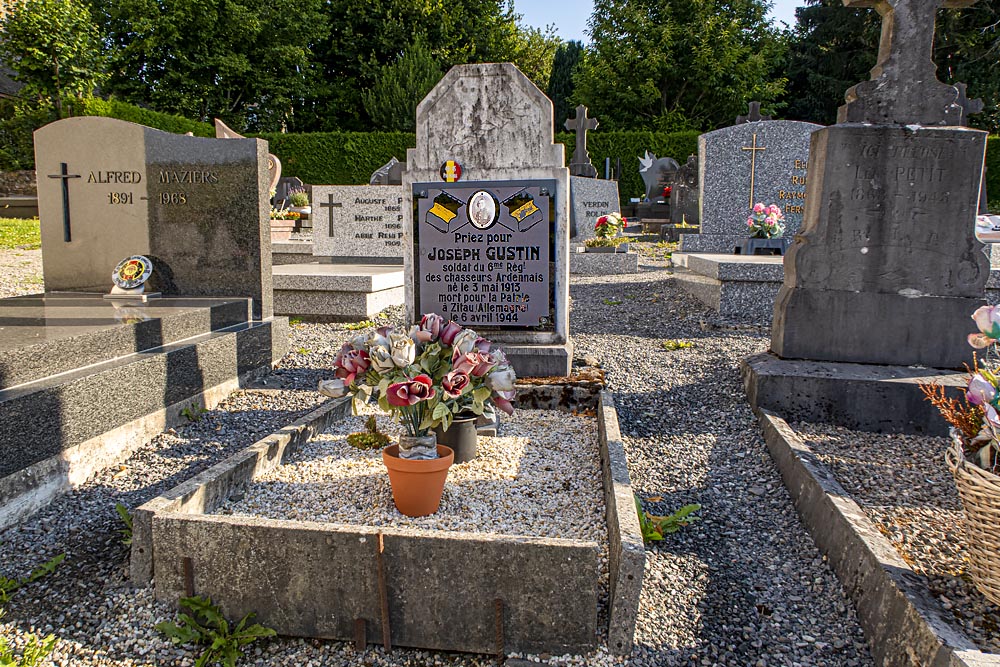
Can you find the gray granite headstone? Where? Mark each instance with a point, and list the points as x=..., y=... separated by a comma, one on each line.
x=497, y=125
x=887, y=269
x=197, y=207
x=684, y=197
x=357, y=222
x=590, y=198
x=744, y=164
x=285, y=185
x=390, y=173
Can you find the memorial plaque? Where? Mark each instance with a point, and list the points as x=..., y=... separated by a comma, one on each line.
x=358, y=221
x=485, y=252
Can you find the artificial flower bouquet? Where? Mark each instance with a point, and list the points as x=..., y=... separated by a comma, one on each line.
x=607, y=230
x=766, y=222
x=426, y=376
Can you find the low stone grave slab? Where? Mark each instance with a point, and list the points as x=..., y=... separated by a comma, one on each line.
x=603, y=263
x=903, y=622
x=401, y=581
x=732, y=285
x=336, y=292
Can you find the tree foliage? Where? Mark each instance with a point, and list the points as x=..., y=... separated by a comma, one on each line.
x=392, y=102
x=248, y=62
x=534, y=50
x=833, y=48
x=54, y=48
x=674, y=64
x=560, y=87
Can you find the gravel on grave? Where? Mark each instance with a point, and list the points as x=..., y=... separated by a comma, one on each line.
x=20, y=272
x=539, y=476
x=903, y=485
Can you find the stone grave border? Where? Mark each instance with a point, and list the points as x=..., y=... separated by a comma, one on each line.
x=904, y=625
x=183, y=508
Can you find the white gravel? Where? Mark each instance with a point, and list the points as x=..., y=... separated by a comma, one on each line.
x=536, y=479
x=20, y=272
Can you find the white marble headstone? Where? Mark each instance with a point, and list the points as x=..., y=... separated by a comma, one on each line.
x=358, y=221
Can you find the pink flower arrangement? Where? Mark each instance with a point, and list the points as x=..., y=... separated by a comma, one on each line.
x=766, y=222
x=424, y=376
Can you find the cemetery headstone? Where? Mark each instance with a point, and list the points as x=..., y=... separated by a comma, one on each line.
x=223, y=131
x=358, y=223
x=488, y=192
x=285, y=185
x=886, y=269
x=763, y=161
x=590, y=198
x=391, y=173
x=581, y=165
x=657, y=173
x=684, y=197
x=197, y=207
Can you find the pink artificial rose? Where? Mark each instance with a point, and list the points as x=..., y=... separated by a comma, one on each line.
x=405, y=394
x=758, y=208
x=502, y=399
x=474, y=363
x=352, y=364
x=981, y=391
x=454, y=383
x=430, y=328
x=449, y=331
x=483, y=345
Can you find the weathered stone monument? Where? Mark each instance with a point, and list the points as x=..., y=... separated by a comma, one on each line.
x=197, y=207
x=581, y=165
x=755, y=161
x=490, y=249
x=886, y=270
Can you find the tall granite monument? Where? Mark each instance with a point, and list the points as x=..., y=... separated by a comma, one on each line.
x=488, y=233
x=882, y=279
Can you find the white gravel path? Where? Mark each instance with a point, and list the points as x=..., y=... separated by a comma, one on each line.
x=745, y=586
x=20, y=272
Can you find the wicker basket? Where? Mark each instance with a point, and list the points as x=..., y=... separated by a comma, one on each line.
x=980, y=494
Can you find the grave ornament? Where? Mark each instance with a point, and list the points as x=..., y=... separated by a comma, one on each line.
x=904, y=88
x=130, y=278
x=656, y=173
x=580, y=165
x=390, y=173
x=753, y=116
x=223, y=131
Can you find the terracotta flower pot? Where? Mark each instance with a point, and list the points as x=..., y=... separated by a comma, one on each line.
x=417, y=484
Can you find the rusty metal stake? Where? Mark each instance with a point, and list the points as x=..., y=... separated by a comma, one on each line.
x=360, y=635
x=383, y=593
x=498, y=616
x=188, y=565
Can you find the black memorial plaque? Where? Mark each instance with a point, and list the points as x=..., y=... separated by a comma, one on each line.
x=484, y=252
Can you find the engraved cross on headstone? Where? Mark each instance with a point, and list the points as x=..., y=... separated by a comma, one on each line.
x=330, y=205
x=753, y=163
x=581, y=165
x=904, y=88
x=65, y=176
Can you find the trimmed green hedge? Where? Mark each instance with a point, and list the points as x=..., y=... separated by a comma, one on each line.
x=95, y=106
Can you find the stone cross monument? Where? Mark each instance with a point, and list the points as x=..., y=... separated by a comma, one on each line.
x=886, y=269
x=753, y=116
x=904, y=88
x=580, y=165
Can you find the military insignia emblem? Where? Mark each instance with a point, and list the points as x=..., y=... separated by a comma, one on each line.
x=132, y=272
x=451, y=171
x=482, y=210
x=523, y=210
x=444, y=210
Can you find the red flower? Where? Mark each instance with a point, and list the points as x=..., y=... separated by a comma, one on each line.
x=405, y=394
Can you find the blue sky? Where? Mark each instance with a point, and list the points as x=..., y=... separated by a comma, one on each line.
x=570, y=16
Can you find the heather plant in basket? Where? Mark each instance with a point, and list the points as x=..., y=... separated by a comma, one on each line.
x=426, y=376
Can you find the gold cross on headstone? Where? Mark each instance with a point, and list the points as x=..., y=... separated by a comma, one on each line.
x=904, y=87
x=65, y=176
x=330, y=204
x=753, y=148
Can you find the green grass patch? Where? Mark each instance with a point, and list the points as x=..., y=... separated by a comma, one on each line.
x=18, y=233
x=358, y=326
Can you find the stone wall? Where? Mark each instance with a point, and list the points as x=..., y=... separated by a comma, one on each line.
x=20, y=183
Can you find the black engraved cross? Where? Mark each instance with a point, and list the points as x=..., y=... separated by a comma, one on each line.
x=904, y=88
x=330, y=204
x=65, y=176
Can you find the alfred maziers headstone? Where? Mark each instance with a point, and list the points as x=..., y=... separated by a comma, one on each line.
x=763, y=161
x=886, y=269
x=197, y=207
x=358, y=222
x=491, y=248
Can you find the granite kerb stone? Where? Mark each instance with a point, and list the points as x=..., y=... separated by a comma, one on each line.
x=904, y=625
x=733, y=267
x=627, y=551
x=603, y=263
x=172, y=528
